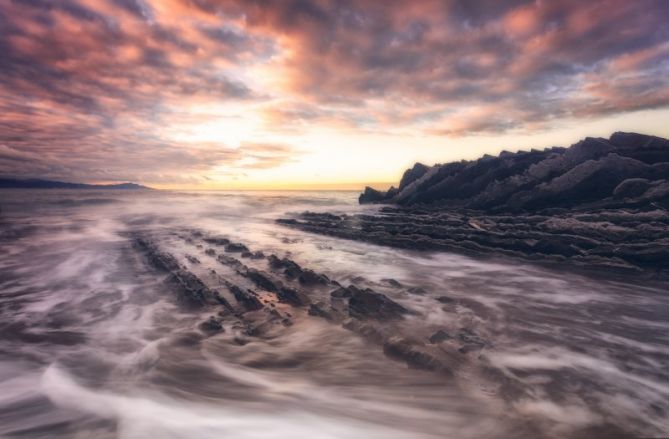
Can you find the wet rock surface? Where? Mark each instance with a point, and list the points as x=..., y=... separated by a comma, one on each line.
x=621, y=169
x=516, y=346
x=370, y=304
x=627, y=240
x=263, y=296
x=600, y=204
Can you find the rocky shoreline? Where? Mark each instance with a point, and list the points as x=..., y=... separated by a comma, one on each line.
x=624, y=241
x=601, y=204
x=257, y=296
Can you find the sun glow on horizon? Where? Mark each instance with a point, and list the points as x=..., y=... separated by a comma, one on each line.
x=247, y=96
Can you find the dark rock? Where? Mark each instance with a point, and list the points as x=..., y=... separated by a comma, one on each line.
x=371, y=196
x=341, y=293
x=309, y=277
x=248, y=300
x=192, y=259
x=253, y=255
x=210, y=252
x=217, y=240
x=193, y=291
x=412, y=174
x=293, y=271
x=212, y=325
x=469, y=337
x=445, y=299
x=439, y=337
x=228, y=260
x=291, y=296
x=370, y=304
x=588, y=170
x=235, y=247
x=319, y=309
x=287, y=221
x=223, y=301
x=241, y=341
x=403, y=349
x=365, y=329
x=188, y=339
x=632, y=187
x=262, y=280
x=417, y=290
x=158, y=259
x=392, y=282
x=579, y=205
x=465, y=349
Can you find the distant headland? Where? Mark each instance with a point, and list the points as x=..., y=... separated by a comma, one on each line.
x=33, y=183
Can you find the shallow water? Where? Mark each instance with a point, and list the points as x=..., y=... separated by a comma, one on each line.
x=93, y=343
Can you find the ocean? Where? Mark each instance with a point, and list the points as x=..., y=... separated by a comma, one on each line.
x=93, y=342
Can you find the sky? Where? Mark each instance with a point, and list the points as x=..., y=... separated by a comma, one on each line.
x=315, y=94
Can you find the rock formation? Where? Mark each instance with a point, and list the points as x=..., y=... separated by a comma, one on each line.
x=627, y=169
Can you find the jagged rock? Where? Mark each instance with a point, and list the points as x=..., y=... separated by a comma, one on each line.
x=365, y=329
x=235, y=247
x=412, y=174
x=392, y=282
x=241, y=341
x=310, y=277
x=341, y=293
x=439, y=337
x=632, y=187
x=290, y=268
x=370, y=304
x=371, y=195
x=401, y=348
x=291, y=296
x=192, y=290
x=262, y=280
x=465, y=349
x=192, y=259
x=587, y=171
x=228, y=260
x=293, y=271
x=158, y=259
x=217, y=240
x=531, y=205
x=212, y=325
x=320, y=309
x=469, y=337
x=417, y=290
x=249, y=301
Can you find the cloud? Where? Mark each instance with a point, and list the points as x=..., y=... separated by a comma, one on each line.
x=89, y=88
x=532, y=59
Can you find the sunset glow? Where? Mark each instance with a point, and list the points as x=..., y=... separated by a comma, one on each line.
x=298, y=94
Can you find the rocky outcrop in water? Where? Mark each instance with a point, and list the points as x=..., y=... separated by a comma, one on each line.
x=601, y=203
x=625, y=240
x=627, y=169
x=259, y=298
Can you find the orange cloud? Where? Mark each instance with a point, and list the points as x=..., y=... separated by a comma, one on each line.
x=109, y=81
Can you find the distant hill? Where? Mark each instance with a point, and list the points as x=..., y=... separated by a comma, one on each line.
x=626, y=169
x=13, y=183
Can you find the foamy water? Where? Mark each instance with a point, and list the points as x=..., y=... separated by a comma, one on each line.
x=93, y=344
